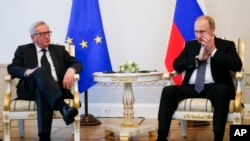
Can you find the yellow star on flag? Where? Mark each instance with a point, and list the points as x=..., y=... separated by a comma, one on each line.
x=84, y=44
x=98, y=39
x=69, y=40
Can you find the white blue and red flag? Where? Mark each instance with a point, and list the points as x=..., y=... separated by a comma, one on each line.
x=186, y=12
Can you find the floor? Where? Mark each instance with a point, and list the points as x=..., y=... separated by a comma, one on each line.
x=97, y=133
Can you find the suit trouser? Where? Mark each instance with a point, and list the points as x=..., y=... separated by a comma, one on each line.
x=45, y=91
x=218, y=94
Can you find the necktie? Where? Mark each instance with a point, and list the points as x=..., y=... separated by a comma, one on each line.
x=200, y=77
x=44, y=61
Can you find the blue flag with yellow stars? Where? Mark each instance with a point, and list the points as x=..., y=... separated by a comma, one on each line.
x=85, y=31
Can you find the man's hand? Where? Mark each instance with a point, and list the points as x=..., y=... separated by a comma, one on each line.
x=204, y=54
x=28, y=72
x=208, y=42
x=68, y=79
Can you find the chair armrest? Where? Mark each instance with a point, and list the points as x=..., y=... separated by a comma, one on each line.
x=238, y=101
x=7, y=97
x=75, y=91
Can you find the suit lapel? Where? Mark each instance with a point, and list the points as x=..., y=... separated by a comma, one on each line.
x=33, y=58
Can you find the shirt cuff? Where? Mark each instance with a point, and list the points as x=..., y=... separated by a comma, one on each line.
x=212, y=54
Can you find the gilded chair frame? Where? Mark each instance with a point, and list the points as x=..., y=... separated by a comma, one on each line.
x=200, y=109
x=22, y=110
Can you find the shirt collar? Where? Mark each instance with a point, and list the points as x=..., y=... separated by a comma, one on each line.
x=38, y=49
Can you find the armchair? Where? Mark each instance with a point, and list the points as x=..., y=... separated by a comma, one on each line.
x=26, y=109
x=201, y=109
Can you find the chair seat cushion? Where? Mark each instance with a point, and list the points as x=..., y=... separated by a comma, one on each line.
x=197, y=104
x=29, y=105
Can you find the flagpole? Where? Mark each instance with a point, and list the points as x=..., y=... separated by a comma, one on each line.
x=88, y=119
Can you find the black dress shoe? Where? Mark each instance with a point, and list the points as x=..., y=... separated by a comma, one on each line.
x=161, y=140
x=162, y=135
x=44, y=137
x=69, y=114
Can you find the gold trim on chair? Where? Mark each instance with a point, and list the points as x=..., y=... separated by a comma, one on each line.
x=6, y=117
x=7, y=97
x=32, y=115
x=237, y=102
x=198, y=116
x=76, y=100
x=7, y=100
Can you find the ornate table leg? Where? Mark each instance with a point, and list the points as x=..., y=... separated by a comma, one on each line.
x=128, y=102
x=127, y=129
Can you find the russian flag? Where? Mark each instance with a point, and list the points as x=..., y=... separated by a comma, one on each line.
x=186, y=12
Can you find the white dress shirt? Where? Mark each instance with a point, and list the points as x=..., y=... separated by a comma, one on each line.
x=208, y=74
x=39, y=56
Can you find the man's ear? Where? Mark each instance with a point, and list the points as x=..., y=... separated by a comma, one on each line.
x=33, y=38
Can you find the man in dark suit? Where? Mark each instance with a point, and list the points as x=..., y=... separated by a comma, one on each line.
x=46, y=73
x=220, y=58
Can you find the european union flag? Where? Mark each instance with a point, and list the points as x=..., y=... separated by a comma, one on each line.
x=85, y=31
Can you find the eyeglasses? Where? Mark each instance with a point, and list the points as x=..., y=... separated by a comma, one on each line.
x=44, y=34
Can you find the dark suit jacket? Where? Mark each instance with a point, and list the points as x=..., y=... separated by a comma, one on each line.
x=26, y=58
x=224, y=61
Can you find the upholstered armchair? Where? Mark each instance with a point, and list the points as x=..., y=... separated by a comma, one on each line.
x=201, y=109
x=26, y=110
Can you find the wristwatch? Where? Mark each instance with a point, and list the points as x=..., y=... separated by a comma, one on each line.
x=197, y=61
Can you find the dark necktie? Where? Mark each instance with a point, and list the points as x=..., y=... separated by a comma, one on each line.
x=44, y=61
x=200, y=77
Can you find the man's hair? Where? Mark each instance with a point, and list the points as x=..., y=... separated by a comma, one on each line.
x=209, y=19
x=35, y=25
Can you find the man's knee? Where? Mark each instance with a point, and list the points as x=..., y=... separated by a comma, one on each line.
x=40, y=71
x=168, y=89
x=168, y=93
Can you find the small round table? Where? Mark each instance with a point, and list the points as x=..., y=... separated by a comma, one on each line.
x=128, y=128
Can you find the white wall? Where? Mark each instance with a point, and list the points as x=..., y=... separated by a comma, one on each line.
x=135, y=29
x=17, y=17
